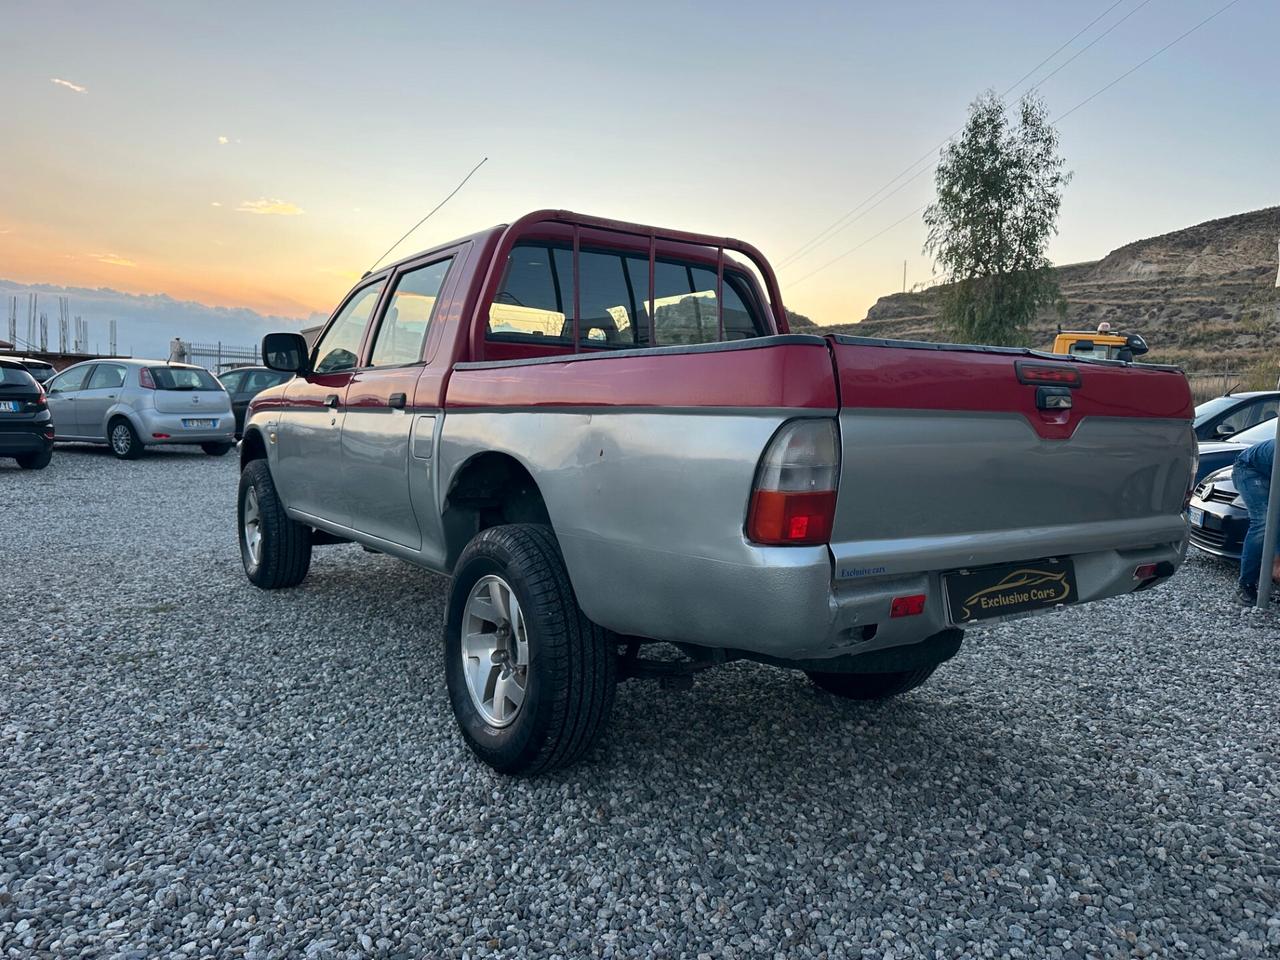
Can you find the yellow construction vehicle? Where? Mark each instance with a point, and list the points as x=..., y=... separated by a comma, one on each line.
x=1099, y=344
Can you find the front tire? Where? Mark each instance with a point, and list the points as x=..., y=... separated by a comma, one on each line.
x=275, y=550
x=530, y=678
x=123, y=439
x=870, y=686
x=35, y=461
x=216, y=449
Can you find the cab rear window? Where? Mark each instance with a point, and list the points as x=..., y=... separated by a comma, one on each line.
x=183, y=378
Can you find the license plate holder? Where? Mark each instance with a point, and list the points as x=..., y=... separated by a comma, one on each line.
x=199, y=423
x=1196, y=516
x=9, y=406
x=983, y=593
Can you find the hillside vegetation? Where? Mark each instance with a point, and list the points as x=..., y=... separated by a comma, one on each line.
x=1203, y=297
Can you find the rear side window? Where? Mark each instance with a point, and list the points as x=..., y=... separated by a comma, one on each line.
x=106, y=375
x=403, y=330
x=534, y=303
x=183, y=378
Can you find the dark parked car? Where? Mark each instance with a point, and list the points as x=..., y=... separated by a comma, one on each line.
x=1222, y=453
x=26, y=427
x=42, y=372
x=1218, y=518
x=1223, y=417
x=245, y=383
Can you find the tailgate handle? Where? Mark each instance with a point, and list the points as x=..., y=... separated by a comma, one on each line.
x=397, y=401
x=1053, y=398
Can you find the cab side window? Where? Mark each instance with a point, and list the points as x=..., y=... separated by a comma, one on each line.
x=69, y=381
x=535, y=301
x=403, y=330
x=339, y=348
x=105, y=376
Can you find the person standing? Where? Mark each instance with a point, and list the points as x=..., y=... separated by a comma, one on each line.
x=1252, y=477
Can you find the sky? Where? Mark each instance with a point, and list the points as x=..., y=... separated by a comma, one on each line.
x=263, y=155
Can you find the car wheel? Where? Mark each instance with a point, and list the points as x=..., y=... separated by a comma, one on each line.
x=870, y=686
x=216, y=449
x=530, y=678
x=275, y=550
x=123, y=439
x=35, y=461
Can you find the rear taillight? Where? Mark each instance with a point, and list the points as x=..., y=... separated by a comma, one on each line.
x=145, y=380
x=794, y=499
x=1195, y=468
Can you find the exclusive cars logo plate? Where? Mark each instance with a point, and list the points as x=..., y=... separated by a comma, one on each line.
x=1010, y=588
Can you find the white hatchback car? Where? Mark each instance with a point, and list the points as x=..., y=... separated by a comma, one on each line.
x=133, y=404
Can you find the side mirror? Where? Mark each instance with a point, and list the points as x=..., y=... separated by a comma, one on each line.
x=1222, y=431
x=286, y=352
x=1136, y=345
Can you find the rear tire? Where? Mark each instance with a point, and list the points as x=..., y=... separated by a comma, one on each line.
x=123, y=439
x=35, y=461
x=870, y=686
x=560, y=665
x=275, y=550
x=216, y=449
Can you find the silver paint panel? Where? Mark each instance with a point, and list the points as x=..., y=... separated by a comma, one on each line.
x=376, y=474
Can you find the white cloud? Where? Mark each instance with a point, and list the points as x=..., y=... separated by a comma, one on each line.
x=75, y=87
x=215, y=204
x=113, y=260
x=270, y=206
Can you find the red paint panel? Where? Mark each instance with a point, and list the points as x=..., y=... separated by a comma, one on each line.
x=913, y=379
x=787, y=375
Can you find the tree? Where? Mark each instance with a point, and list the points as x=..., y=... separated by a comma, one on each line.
x=999, y=188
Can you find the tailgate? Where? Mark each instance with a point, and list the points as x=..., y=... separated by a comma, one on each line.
x=947, y=461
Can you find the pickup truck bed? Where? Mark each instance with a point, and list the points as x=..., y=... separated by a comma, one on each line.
x=837, y=504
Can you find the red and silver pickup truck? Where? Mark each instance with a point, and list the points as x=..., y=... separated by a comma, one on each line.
x=607, y=435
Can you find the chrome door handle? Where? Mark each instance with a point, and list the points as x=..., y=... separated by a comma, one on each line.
x=331, y=400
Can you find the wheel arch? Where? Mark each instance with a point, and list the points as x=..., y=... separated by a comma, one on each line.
x=252, y=446
x=489, y=489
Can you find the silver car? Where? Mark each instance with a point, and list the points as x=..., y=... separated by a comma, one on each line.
x=133, y=404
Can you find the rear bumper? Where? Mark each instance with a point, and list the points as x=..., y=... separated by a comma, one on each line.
x=175, y=431
x=30, y=436
x=787, y=606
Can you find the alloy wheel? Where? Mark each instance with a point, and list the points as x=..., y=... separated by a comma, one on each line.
x=495, y=650
x=252, y=526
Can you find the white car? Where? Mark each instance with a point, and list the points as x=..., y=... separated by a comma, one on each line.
x=133, y=404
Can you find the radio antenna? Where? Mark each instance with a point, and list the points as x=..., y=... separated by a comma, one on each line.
x=428, y=216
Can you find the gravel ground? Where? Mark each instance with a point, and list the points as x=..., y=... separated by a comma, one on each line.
x=192, y=767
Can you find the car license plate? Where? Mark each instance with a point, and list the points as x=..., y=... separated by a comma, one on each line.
x=986, y=592
x=9, y=406
x=1196, y=516
x=199, y=424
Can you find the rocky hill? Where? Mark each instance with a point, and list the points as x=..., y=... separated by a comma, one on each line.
x=1204, y=297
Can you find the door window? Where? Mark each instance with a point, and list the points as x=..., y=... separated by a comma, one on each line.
x=1248, y=415
x=403, y=330
x=70, y=380
x=339, y=348
x=105, y=376
x=231, y=381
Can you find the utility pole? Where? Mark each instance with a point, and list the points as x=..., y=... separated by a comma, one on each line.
x=904, y=276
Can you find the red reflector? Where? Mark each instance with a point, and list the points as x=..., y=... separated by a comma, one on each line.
x=1147, y=571
x=791, y=519
x=1057, y=374
x=161, y=436
x=911, y=606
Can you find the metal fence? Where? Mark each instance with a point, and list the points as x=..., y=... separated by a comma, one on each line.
x=1206, y=386
x=222, y=356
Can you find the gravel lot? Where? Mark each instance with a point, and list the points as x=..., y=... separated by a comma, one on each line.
x=192, y=767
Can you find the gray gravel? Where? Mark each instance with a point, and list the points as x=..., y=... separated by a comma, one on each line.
x=192, y=767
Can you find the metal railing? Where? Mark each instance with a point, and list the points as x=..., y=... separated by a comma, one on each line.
x=220, y=356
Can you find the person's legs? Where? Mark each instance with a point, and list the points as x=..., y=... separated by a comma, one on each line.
x=1253, y=488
